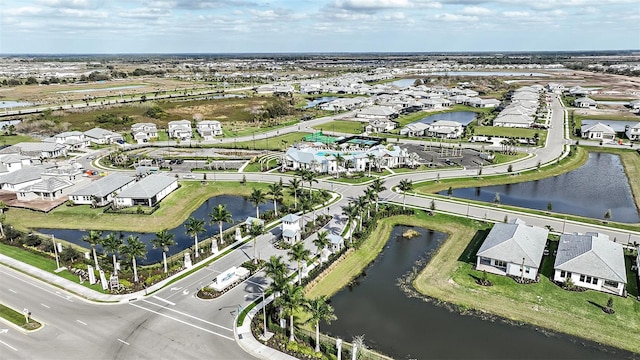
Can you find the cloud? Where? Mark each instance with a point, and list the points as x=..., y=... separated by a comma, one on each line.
x=72, y=4
x=476, y=10
x=376, y=5
x=516, y=14
x=456, y=17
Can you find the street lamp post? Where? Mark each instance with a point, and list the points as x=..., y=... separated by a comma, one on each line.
x=55, y=251
x=264, y=312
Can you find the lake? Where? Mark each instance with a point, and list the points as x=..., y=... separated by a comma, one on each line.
x=600, y=184
x=317, y=101
x=238, y=206
x=410, y=328
x=7, y=104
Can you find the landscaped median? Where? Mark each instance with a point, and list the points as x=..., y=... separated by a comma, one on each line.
x=20, y=319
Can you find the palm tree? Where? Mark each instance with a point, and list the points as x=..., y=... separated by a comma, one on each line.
x=163, y=240
x=294, y=185
x=321, y=241
x=310, y=177
x=275, y=268
x=377, y=185
x=257, y=197
x=193, y=227
x=220, y=214
x=291, y=298
x=404, y=186
x=112, y=244
x=299, y=253
x=351, y=212
x=306, y=205
x=339, y=160
x=256, y=230
x=362, y=204
x=320, y=311
x=275, y=191
x=370, y=195
x=132, y=249
x=94, y=238
x=303, y=175
x=370, y=158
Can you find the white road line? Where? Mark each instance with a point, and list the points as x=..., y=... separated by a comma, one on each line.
x=13, y=291
x=165, y=300
x=44, y=305
x=57, y=293
x=9, y=346
x=188, y=315
x=183, y=322
x=82, y=322
x=124, y=342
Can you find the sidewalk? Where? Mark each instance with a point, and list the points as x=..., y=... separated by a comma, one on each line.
x=248, y=343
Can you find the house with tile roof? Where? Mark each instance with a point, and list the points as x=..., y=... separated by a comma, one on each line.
x=591, y=261
x=208, y=129
x=148, y=191
x=144, y=132
x=598, y=131
x=45, y=189
x=101, y=192
x=102, y=136
x=513, y=249
x=180, y=129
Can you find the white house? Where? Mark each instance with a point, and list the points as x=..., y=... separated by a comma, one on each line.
x=72, y=139
x=376, y=112
x=415, y=129
x=446, y=129
x=291, y=228
x=336, y=242
x=209, y=128
x=148, y=191
x=180, y=129
x=633, y=132
x=22, y=178
x=37, y=150
x=591, y=261
x=144, y=132
x=585, y=102
x=514, y=121
x=13, y=162
x=513, y=249
x=102, y=136
x=483, y=103
x=46, y=189
x=598, y=131
x=102, y=191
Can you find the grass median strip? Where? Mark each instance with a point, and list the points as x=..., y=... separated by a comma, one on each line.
x=18, y=318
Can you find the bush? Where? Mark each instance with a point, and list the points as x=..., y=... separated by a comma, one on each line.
x=32, y=240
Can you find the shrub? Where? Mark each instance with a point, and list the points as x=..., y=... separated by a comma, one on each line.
x=33, y=240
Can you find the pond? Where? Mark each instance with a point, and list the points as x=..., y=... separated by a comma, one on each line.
x=238, y=206
x=8, y=104
x=463, y=117
x=600, y=184
x=410, y=328
x=616, y=125
x=317, y=101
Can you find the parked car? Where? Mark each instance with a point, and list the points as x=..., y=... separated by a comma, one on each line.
x=189, y=176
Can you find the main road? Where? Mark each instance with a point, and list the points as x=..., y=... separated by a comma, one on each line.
x=173, y=323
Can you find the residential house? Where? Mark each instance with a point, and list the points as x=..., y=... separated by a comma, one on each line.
x=144, y=132
x=45, y=189
x=291, y=228
x=585, y=102
x=446, y=129
x=635, y=104
x=102, y=191
x=22, y=178
x=13, y=162
x=415, y=129
x=513, y=249
x=514, y=121
x=376, y=113
x=37, y=150
x=208, y=129
x=336, y=242
x=148, y=191
x=380, y=126
x=483, y=103
x=180, y=129
x=102, y=136
x=591, y=261
x=598, y=131
x=72, y=139
x=633, y=132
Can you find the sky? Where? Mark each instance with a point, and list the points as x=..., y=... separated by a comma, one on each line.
x=298, y=26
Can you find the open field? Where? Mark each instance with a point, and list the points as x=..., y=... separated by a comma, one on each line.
x=277, y=143
x=174, y=210
x=510, y=132
x=342, y=126
x=14, y=139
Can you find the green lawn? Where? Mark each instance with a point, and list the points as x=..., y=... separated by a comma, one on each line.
x=342, y=126
x=18, y=318
x=277, y=143
x=14, y=139
x=510, y=132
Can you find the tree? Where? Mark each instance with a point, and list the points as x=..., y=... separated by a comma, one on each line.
x=549, y=206
x=220, y=214
x=371, y=196
x=193, y=227
x=163, y=240
x=112, y=244
x=370, y=158
x=275, y=191
x=310, y=177
x=319, y=310
x=299, y=253
x=351, y=212
x=362, y=204
x=291, y=299
x=405, y=186
x=609, y=308
x=449, y=191
x=132, y=249
x=358, y=345
x=294, y=188
x=510, y=168
x=321, y=240
x=377, y=185
x=339, y=160
x=496, y=199
x=256, y=230
x=94, y=238
x=275, y=268
x=306, y=205
x=257, y=197
x=607, y=215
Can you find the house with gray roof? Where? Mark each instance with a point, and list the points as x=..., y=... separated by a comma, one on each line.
x=180, y=129
x=513, y=249
x=336, y=242
x=209, y=128
x=598, y=131
x=291, y=228
x=633, y=132
x=45, y=189
x=13, y=162
x=102, y=136
x=37, y=150
x=414, y=129
x=72, y=139
x=591, y=261
x=514, y=121
x=148, y=191
x=23, y=178
x=144, y=132
x=102, y=191
x=585, y=102
x=445, y=129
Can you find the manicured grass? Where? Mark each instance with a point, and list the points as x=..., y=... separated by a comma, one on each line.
x=14, y=139
x=510, y=132
x=277, y=143
x=174, y=210
x=543, y=304
x=18, y=318
x=342, y=126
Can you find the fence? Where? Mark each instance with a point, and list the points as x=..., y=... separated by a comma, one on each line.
x=328, y=343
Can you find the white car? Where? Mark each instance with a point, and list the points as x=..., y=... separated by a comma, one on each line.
x=188, y=176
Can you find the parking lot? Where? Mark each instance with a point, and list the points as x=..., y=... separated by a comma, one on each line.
x=445, y=157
